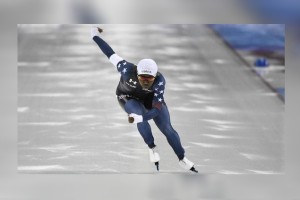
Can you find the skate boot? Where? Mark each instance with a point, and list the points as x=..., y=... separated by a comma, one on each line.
x=154, y=157
x=187, y=165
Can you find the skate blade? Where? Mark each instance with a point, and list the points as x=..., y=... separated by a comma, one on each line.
x=157, y=165
x=194, y=170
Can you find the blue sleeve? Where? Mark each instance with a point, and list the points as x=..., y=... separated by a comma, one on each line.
x=105, y=48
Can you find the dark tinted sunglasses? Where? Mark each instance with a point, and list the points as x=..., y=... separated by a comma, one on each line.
x=146, y=77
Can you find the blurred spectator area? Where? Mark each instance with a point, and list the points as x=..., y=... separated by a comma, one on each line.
x=274, y=11
x=258, y=41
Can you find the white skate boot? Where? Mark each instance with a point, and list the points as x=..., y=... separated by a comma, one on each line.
x=154, y=157
x=187, y=165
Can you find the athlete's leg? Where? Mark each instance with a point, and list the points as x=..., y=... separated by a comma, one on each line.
x=134, y=106
x=163, y=123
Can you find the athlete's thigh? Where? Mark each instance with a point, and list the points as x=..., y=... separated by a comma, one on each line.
x=163, y=118
x=134, y=106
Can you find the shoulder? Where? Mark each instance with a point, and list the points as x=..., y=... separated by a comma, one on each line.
x=160, y=77
x=125, y=66
x=124, y=63
x=160, y=80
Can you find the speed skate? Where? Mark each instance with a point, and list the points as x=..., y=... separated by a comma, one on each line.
x=187, y=165
x=154, y=157
x=184, y=163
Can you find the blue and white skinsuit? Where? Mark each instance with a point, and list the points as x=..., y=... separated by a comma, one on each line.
x=146, y=102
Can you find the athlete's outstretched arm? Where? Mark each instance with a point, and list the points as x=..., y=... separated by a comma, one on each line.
x=105, y=48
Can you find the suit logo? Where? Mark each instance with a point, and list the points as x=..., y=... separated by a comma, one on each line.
x=131, y=81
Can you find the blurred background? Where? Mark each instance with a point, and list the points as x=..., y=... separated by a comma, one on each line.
x=15, y=186
x=262, y=47
x=133, y=11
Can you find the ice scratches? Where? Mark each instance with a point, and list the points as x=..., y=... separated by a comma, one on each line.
x=187, y=109
x=72, y=85
x=107, y=170
x=253, y=156
x=70, y=75
x=43, y=123
x=82, y=117
x=122, y=154
x=188, y=77
x=59, y=157
x=22, y=109
x=78, y=49
x=263, y=172
x=224, y=127
x=169, y=51
x=219, y=61
x=271, y=94
x=78, y=136
x=57, y=148
x=41, y=168
x=229, y=172
x=115, y=125
x=201, y=86
x=206, y=145
x=216, y=110
x=221, y=125
x=221, y=121
x=73, y=59
x=217, y=136
x=46, y=95
x=132, y=134
x=93, y=93
x=128, y=156
x=248, y=171
x=72, y=110
x=177, y=88
x=198, y=101
x=209, y=109
x=204, y=97
x=33, y=64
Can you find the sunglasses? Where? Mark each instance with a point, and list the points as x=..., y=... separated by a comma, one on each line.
x=146, y=77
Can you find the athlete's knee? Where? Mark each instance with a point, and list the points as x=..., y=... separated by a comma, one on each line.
x=143, y=124
x=168, y=130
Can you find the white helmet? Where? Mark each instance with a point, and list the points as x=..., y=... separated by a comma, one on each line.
x=147, y=66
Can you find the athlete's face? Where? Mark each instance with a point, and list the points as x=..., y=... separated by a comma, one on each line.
x=146, y=81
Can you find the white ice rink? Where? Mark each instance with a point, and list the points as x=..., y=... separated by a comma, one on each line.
x=69, y=120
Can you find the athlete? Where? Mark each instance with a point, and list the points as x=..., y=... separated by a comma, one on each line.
x=140, y=93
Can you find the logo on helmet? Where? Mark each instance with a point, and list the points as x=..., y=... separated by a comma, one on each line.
x=146, y=71
x=147, y=66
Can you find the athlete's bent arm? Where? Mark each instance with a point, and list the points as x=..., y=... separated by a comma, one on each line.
x=147, y=116
x=157, y=103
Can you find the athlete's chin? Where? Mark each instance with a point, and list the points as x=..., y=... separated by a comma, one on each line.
x=146, y=86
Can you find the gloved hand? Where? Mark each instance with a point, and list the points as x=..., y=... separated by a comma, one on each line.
x=95, y=31
x=134, y=118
